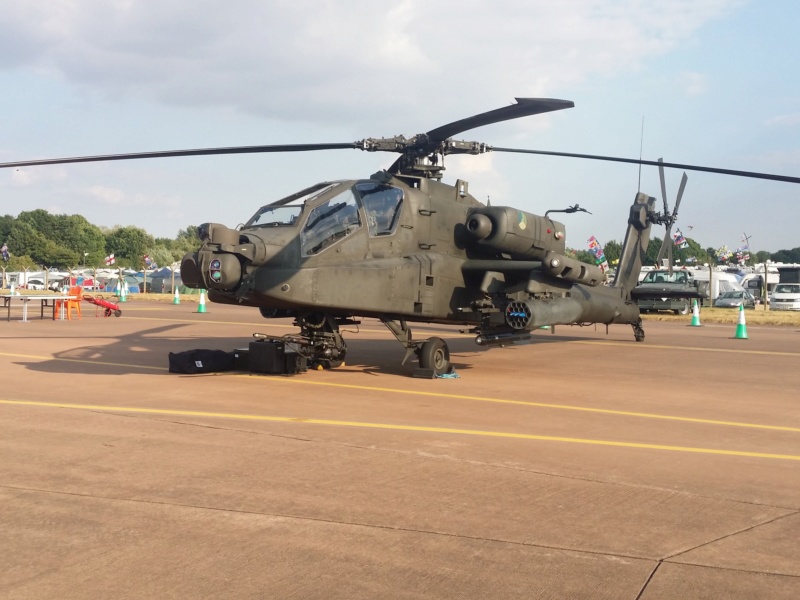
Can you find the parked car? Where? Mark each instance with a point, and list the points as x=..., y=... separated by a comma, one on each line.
x=35, y=284
x=672, y=285
x=786, y=296
x=735, y=299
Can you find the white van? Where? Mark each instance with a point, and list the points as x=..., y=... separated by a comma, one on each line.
x=722, y=282
x=786, y=296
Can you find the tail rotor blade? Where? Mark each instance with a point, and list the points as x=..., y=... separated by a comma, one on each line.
x=663, y=185
x=665, y=245
x=669, y=253
x=682, y=187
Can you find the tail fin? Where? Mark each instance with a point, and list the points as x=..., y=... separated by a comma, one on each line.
x=635, y=245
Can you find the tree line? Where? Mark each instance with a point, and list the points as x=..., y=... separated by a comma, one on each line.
x=692, y=254
x=37, y=239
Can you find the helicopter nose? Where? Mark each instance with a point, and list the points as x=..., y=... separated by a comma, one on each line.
x=190, y=271
x=207, y=269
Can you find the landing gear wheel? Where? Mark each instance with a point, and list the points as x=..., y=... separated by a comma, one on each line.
x=117, y=313
x=684, y=309
x=434, y=354
x=331, y=363
x=638, y=331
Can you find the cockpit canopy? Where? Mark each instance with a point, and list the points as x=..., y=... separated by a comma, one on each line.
x=330, y=212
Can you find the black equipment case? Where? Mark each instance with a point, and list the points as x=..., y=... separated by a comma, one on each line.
x=273, y=358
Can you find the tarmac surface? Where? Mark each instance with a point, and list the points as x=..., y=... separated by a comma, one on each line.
x=583, y=465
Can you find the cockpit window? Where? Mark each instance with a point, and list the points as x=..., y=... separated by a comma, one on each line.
x=277, y=216
x=330, y=222
x=382, y=206
x=665, y=277
x=285, y=212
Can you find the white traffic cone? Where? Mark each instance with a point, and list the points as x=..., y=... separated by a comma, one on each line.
x=741, y=327
x=123, y=296
x=177, y=298
x=695, y=315
x=201, y=308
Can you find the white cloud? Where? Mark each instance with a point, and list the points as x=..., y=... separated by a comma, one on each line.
x=28, y=177
x=106, y=195
x=694, y=84
x=790, y=120
x=118, y=197
x=323, y=60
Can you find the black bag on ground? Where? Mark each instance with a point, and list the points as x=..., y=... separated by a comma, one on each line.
x=200, y=361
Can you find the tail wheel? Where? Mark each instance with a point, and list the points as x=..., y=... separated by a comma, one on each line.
x=638, y=331
x=434, y=354
x=684, y=308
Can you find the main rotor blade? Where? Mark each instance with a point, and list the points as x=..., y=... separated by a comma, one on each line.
x=638, y=161
x=173, y=153
x=524, y=107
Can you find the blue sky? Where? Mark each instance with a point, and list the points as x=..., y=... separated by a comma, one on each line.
x=709, y=82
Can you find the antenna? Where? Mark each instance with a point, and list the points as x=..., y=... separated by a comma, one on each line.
x=641, y=144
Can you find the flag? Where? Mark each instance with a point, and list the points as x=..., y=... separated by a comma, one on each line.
x=147, y=260
x=597, y=251
x=680, y=240
x=110, y=260
x=4, y=251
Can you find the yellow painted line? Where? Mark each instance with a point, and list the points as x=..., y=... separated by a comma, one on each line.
x=85, y=362
x=544, y=405
x=682, y=348
x=392, y=427
x=534, y=340
x=369, y=388
x=448, y=333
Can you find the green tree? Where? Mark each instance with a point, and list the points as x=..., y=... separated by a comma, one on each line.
x=651, y=254
x=162, y=255
x=20, y=263
x=5, y=227
x=129, y=244
x=762, y=256
x=787, y=256
x=612, y=250
x=582, y=255
x=24, y=240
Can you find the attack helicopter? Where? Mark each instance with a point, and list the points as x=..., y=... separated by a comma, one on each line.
x=403, y=247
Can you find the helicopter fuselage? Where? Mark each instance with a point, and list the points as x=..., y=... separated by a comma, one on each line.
x=399, y=247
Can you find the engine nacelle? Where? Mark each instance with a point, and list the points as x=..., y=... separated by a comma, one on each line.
x=514, y=232
x=571, y=269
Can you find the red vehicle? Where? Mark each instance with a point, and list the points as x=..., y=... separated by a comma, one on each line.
x=86, y=283
x=110, y=307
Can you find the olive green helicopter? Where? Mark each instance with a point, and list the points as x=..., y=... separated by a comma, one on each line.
x=403, y=247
